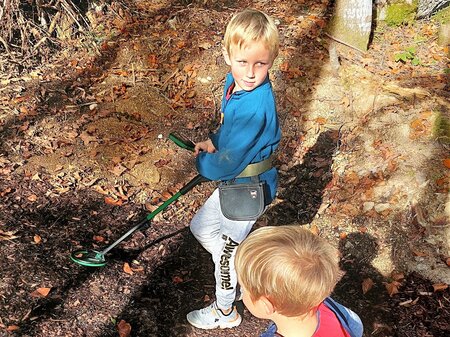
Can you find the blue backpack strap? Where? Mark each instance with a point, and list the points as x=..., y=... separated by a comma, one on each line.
x=348, y=319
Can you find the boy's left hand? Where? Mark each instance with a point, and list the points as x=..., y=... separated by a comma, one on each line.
x=207, y=146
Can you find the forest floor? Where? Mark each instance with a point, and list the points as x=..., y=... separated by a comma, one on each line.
x=84, y=156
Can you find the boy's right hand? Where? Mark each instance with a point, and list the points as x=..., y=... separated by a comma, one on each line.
x=207, y=146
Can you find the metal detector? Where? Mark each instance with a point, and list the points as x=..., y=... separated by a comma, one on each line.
x=94, y=258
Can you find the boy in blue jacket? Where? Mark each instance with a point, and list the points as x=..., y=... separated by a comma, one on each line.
x=249, y=134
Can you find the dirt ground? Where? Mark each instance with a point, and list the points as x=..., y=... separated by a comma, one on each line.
x=84, y=156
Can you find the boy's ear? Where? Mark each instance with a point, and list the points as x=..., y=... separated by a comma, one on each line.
x=226, y=56
x=267, y=305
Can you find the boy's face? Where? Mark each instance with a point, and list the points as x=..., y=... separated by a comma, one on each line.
x=249, y=65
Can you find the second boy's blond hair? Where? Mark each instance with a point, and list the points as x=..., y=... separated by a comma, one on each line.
x=249, y=26
x=293, y=268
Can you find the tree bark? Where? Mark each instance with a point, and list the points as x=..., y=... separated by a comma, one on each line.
x=351, y=23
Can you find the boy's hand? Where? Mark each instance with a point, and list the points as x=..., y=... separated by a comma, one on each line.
x=207, y=146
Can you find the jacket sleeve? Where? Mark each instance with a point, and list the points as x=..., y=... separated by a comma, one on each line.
x=237, y=144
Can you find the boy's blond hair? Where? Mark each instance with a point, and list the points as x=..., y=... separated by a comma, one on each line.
x=293, y=268
x=249, y=26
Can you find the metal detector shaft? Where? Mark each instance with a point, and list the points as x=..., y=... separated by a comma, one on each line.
x=186, y=188
x=182, y=142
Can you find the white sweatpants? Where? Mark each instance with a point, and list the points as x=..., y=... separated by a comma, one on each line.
x=220, y=237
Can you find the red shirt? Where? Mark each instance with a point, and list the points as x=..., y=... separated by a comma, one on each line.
x=329, y=325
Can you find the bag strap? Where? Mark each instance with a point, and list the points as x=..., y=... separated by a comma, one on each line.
x=256, y=168
x=331, y=304
x=336, y=310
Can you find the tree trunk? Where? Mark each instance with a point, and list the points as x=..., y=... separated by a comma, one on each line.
x=351, y=23
x=428, y=7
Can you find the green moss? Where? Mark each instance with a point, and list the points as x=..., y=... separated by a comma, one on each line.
x=443, y=16
x=441, y=128
x=400, y=13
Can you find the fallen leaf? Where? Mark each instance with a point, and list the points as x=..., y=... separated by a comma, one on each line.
x=152, y=61
x=24, y=126
x=161, y=162
x=349, y=209
x=130, y=164
x=441, y=182
x=36, y=177
x=342, y=236
x=12, y=328
x=367, y=284
x=124, y=328
x=284, y=66
x=5, y=191
x=362, y=229
x=37, y=239
x=205, y=45
x=177, y=279
x=351, y=178
x=100, y=190
x=191, y=94
x=116, y=160
x=41, y=292
x=114, y=202
x=392, y=288
x=19, y=99
x=419, y=253
x=446, y=260
x=397, y=276
x=118, y=170
x=98, y=238
x=87, y=138
x=440, y=286
x=93, y=153
x=166, y=195
x=123, y=73
x=127, y=268
x=314, y=229
x=32, y=198
x=447, y=162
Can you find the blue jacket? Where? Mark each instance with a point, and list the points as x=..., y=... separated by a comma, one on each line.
x=249, y=133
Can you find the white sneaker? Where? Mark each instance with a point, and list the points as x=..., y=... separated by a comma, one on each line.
x=212, y=317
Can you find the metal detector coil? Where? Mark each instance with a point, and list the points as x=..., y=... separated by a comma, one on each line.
x=94, y=258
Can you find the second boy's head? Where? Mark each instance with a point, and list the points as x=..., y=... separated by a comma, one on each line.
x=250, y=46
x=285, y=270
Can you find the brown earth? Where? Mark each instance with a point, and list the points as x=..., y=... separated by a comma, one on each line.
x=84, y=156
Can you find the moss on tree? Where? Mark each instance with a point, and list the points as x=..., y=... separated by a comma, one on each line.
x=441, y=128
x=401, y=13
x=443, y=16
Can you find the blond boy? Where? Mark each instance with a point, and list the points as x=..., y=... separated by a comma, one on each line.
x=248, y=135
x=286, y=274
